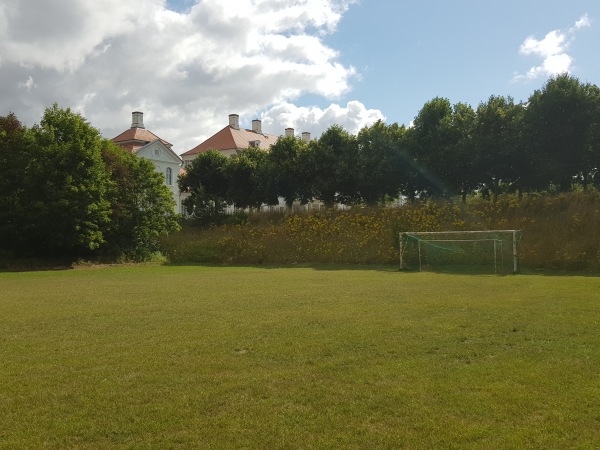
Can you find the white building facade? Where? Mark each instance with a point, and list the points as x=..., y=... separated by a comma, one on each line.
x=145, y=144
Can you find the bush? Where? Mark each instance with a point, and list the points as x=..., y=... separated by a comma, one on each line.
x=559, y=232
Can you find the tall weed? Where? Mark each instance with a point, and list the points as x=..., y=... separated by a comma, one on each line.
x=559, y=232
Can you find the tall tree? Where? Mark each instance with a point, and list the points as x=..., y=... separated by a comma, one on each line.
x=289, y=171
x=333, y=161
x=498, y=139
x=441, y=144
x=141, y=204
x=250, y=184
x=591, y=171
x=382, y=167
x=560, y=119
x=59, y=203
x=69, y=191
x=207, y=183
x=462, y=160
x=16, y=153
x=429, y=140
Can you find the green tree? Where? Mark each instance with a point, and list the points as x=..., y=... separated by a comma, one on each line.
x=560, y=121
x=69, y=191
x=288, y=169
x=249, y=184
x=16, y=153
x=141, y=204
x=58, y=204
x=206, y=181
x=591, y=164
x=383, y=168
x=498, y=139
x=441, y=144
x=463, y=172
x=333, y=166
x=429, y=142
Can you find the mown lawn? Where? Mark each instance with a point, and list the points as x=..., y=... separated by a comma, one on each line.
x=329, y=357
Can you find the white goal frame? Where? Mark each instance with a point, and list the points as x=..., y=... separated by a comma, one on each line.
x=466, y=236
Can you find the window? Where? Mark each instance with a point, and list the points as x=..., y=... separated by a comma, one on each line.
x=169, y=176
x=157, y=152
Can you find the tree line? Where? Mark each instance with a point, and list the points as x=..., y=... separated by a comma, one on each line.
x=550, y=142
x=65, y=190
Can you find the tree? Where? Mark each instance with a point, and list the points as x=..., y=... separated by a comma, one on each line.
x=15, y=154
x=58, y=203
x=498, y=137
x=382, y=165
x=463, y=171
x=560, y=120
x=591, y=164
x=69, y=191
x=207, y=183
x=249, y=183
x=141, y=204
x=333, y=166
x=593, y=150
x=441, y=144
x=288, y=168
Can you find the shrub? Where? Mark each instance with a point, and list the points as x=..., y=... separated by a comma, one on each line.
x=559, y=232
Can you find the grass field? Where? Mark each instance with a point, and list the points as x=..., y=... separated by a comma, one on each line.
x=153, y=356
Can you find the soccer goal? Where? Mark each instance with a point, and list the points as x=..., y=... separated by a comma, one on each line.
x=494, y=251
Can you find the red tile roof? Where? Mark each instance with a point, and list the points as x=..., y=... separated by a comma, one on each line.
x=230, y=138
x=137, y=137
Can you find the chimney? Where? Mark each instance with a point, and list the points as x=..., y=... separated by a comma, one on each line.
x=256, y=126
x=137, y=119
x=306, y=136
x=234, y=121
x=289, y=132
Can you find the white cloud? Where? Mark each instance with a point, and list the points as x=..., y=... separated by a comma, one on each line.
x=27, y=84
x=552, y=49
x=186, y=71
x=87, y=98
x=61, y=34
x=353, y=117
x=583, y=22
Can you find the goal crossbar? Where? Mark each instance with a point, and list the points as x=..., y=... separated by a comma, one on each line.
x=426, y=233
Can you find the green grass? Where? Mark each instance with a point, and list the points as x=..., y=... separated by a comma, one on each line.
x=327, y=357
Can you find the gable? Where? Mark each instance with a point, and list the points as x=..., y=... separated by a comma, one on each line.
x=158, y=152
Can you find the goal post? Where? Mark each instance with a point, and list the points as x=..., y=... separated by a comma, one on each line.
x=496, y=250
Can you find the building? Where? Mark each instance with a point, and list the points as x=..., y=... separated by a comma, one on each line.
x=232, y=138
x=145, y=144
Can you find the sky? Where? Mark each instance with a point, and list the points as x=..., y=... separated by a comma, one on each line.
x=305, y=64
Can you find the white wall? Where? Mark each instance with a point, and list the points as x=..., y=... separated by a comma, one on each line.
x=163, y=158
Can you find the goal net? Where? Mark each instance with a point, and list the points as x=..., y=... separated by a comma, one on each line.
x=494, y=251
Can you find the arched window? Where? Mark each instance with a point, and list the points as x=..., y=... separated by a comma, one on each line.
x=169, y=176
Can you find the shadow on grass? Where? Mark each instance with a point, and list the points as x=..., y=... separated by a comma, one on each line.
x=320, y=266
x=559, y=273
x=393, y=269
x=39, y=265
x=34, y=265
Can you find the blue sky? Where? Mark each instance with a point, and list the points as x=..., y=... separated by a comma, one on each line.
x=306, y=64
x=410, y=52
